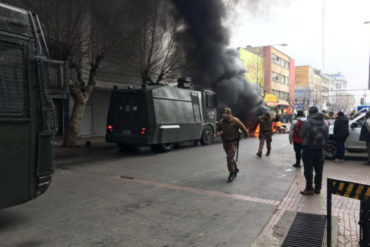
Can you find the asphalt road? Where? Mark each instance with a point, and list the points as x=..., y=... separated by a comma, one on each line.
x=180, y=198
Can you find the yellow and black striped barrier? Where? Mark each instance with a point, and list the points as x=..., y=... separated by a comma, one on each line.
x=350, y=190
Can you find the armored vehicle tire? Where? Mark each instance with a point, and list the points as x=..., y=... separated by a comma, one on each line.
x=165, y=147
x=207, y=135
x=331, y=149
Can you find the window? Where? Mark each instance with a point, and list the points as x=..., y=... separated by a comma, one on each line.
x=279, y=78
x=360, y=122
x=281, y=95
x=279, y=61
x=211, y=101
x=13, y=87
x=196, y=107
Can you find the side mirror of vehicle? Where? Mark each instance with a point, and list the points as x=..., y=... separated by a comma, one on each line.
x=354, y=125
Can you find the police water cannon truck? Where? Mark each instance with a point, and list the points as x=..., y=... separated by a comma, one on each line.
x=161, y=116
x=28, y=80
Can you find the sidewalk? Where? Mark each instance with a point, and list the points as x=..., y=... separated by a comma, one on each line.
x=88, y=149
x=345, y=211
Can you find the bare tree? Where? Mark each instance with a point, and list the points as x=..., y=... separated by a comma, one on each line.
x=82, y=33
x=157, y=56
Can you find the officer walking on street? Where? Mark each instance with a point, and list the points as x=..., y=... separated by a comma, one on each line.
x=315, y=133
x=228, y=127
x=265, y=134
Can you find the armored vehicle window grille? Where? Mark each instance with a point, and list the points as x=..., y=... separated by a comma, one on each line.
x=54, y=75
x=13, y=82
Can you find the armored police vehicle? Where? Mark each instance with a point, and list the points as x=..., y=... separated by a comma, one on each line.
x=27, y=122
x=161, y=116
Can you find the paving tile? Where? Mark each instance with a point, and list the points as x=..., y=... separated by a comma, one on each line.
x=345, y=209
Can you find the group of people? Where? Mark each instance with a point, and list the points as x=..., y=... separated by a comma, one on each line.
x=340, y=134
x=229, y=128
x=309, y=136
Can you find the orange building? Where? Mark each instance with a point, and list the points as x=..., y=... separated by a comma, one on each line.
x=279, y=76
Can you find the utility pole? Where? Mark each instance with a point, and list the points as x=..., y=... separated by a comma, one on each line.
x=323, y=36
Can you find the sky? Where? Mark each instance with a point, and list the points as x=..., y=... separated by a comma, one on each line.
x=299, y=24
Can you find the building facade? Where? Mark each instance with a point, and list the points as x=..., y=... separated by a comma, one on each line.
x=278, y=75
x=340, y=97
x=312, y=88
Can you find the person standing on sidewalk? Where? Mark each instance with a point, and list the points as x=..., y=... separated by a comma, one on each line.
x=365, y=135
x=315, y=133
x=295, y=139
x=228, y=128
x=341, y=132
x=265, y=134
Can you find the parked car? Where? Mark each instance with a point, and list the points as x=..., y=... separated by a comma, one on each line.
x=352, y=143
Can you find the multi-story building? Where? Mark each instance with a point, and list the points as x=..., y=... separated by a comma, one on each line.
x=312, y=88
x=278, y=74
x=340, y=98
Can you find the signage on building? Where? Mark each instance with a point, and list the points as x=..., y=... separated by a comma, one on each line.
x=253, y=65
x=271, y=98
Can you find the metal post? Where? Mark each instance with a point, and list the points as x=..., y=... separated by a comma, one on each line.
x=328, y=209
x=365, y=223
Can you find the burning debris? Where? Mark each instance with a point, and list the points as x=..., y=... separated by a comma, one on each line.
x=205, y=41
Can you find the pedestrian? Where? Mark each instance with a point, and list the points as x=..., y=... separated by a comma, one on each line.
x=341, y=132
x=315, y=133
x=265, y=134
x=228, y=128
x=352, y=114
x=365, y=135
x=295, y=139
x=331, y=119
x=326, y=115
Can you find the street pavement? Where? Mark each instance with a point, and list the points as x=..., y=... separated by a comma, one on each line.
x=102, y=197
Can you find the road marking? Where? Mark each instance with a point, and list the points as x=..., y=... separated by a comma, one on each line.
x=198, y=191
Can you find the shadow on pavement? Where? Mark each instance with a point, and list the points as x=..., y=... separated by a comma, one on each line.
x=10, y=219
x=101, y=151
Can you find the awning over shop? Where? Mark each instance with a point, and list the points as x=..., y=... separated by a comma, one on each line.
x=283, y=103
x=279, y=102
x=272, y=104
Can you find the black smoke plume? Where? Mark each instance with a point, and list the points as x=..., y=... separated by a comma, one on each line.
x=213, y=66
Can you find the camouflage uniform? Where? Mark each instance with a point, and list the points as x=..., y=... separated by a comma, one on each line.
x=229, y=126
x=265, y=134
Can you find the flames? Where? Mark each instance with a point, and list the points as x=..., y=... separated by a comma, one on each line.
x=254, y=131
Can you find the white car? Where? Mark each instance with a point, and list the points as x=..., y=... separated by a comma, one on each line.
x=352, y=143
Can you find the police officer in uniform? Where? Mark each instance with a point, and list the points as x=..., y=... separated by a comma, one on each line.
x=228, y=127
x=265, y=134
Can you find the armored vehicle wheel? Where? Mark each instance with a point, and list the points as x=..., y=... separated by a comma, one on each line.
x=207, y=135
x=331, y=149
x=165, y=147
